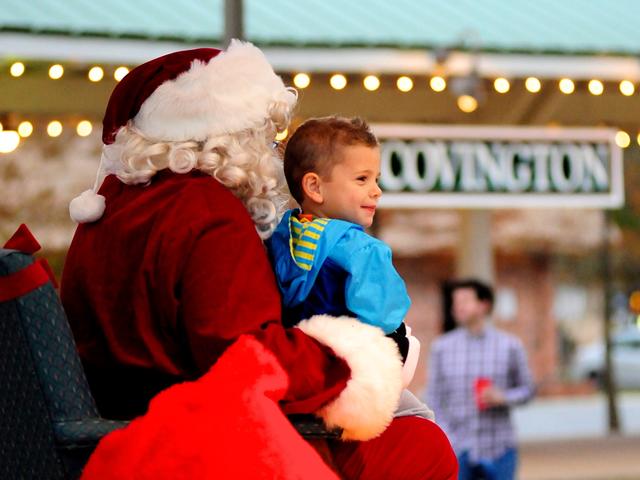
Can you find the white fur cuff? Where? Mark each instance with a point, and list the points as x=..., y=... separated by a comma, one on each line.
x=366, y=406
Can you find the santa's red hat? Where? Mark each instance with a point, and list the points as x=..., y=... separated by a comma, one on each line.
x=188, y=95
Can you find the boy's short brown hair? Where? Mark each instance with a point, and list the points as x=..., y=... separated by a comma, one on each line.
x=314, y=147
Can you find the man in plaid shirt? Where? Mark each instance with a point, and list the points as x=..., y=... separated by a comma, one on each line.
x=476, y=374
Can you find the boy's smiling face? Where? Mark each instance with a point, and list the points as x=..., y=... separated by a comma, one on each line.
x=350, y=191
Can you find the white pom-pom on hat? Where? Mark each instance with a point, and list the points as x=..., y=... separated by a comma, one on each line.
x=87, y=207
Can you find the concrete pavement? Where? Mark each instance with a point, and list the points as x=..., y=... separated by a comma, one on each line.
x=567, y=438
x=601, y=458
x=555, y=418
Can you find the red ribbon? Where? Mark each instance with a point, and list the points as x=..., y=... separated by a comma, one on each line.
x=29, y=278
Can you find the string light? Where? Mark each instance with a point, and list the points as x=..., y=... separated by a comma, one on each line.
x=532, y=84
x=16, y=69
x=84, y=128
x=54, y=129
x=371, y=82
x=95, y=74
x=404, y=84
x=25, y=129
x=301, y=80
x=467, y=103
x=595, y=87
x=120, y=73
x=623, y=140
x=566, y=86
x=338, y=81
x=501, y=85
x=437, y=83
x=56, y=71
x=627, y=88
x=9, y=141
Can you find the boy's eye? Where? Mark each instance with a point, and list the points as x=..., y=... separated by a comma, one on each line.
x=362, y=178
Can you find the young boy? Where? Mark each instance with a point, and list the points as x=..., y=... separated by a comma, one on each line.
x=324, y=261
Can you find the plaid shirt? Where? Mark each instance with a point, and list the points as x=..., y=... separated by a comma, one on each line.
x=458, y=358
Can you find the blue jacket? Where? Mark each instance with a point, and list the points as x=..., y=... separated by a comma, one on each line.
x=333, y=267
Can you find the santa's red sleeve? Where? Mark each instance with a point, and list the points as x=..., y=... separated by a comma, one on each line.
x=345, y=371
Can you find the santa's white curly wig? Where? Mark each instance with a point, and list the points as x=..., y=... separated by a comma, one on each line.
x=203, y=109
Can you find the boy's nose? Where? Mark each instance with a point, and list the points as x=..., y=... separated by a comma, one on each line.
x=377, y=191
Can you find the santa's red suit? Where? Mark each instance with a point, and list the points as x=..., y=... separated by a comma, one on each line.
x=165, y=281
x=170, y=273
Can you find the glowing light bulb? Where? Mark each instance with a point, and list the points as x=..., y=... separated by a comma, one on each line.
x=338, y=81
x=96, y=74
x=17, y=69
x=280, y=136
x=623, y=140
x=404, y=84
x=437, y=84
x=371, y=82
x=54, y=129
x=120, y=73
x=302, y=80
x=467, y=103
x=595, y=87
x=84, y=128
x=25, y=129
x=634, y=301
x=9, y=141
x=627, y=88
x=501, y=85
x=566, y=86
x=56, y=71
x=532, y=84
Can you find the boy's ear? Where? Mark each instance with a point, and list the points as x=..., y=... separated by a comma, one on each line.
x=311, y=183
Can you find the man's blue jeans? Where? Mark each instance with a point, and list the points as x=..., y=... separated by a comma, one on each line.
x=501, y=468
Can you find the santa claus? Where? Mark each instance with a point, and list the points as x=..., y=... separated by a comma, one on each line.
x=167, y=271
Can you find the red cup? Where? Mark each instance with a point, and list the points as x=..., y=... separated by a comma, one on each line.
x=481, y=384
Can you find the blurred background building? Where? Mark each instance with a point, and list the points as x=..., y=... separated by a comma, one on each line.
x=478, y=89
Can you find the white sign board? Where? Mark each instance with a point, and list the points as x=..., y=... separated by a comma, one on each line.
x=499, y=167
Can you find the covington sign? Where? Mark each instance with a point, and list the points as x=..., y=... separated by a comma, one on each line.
x=499, y=167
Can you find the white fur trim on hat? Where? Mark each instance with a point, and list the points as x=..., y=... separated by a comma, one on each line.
x=366, y=406
x=232, y=92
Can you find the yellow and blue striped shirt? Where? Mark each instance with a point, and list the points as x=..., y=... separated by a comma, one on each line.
x=305, y=233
